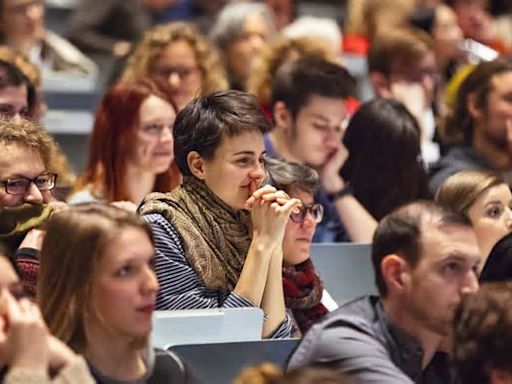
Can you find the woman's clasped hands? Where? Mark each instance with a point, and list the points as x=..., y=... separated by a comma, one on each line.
x=270, y=209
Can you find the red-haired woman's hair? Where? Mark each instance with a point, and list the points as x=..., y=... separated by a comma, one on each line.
x=112, y=137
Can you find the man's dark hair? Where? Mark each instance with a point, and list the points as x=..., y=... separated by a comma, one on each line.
x=400, y=233
x=296, y=82
x=460, y=125
x=206, y=121
x=11, y=76
x=483, y=333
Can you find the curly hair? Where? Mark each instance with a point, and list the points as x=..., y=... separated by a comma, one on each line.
x=482, y=333
x=281, y=50
x=30, y=135
x=160, y=37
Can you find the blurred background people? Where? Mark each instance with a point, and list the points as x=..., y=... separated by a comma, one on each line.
x=479, y=126
x=384, y=166
x=178, y=54
x=22, y=27
x=131, y=146
x=240, y=32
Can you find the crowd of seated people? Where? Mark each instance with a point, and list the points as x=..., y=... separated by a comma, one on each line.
x=221, y=154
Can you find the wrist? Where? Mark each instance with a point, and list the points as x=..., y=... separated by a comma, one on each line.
x=263, y=243
x=333, y=184
x=346, y=190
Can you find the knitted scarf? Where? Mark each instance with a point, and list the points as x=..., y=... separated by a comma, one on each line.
x=15, y=222
x=303, y=293
x=215, y=237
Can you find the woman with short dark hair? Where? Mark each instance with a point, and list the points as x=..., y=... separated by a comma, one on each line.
x=218, y=236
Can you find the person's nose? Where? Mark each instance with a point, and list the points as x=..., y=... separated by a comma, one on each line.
x=150, y=282
x=309, y=220
x=470, y=284
x=258, y=171
x=174, y=80
x=257, y=42
x=34, y=11
x=166, y=135
x=33, y=195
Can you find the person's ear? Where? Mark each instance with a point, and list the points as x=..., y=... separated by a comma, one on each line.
x=473, y=109
x=196, y=164
x=282, y=115
x=381, y=84
x=395, y=272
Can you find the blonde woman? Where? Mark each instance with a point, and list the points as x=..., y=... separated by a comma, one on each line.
x=485, y=199
x=179, y=54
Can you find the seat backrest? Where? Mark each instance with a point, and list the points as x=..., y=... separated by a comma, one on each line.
x=216, y=325
x=345, y=268
x=221, y=363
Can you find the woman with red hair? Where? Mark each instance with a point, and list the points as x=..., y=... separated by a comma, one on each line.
x=131, y=146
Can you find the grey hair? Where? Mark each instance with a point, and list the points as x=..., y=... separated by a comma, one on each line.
x=288, y=176
x=230, y=21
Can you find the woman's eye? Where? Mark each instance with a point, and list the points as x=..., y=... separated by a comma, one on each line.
x=124, y=271
x=153, y=128
x=494, y=212
x=243, y=162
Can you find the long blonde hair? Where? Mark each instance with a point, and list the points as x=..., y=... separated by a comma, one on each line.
x=75, y=241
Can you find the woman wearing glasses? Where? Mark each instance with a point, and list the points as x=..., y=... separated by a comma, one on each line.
x=178, y=54
x=219, y=235
x=304, y=295
x=26, y=201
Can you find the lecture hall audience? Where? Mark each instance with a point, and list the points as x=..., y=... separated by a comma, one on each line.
x=229, y=199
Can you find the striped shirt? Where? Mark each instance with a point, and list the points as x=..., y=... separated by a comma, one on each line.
x=181, y=287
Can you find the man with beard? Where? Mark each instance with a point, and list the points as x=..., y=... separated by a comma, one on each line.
x=480, y=125
x=425, y=261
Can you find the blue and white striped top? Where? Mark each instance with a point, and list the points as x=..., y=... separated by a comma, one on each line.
x=181, y=287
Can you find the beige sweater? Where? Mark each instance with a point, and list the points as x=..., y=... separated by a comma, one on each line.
x=75, y=373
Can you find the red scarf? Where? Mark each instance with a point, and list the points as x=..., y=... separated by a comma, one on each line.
x=303, y=293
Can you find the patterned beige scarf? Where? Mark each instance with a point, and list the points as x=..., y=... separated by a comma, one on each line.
x=214, y=236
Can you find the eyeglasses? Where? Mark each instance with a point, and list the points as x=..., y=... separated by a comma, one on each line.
x=316, y=210
x=20, y=185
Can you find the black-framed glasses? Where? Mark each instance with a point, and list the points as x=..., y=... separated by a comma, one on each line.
x=316, y=210
x=20, y=185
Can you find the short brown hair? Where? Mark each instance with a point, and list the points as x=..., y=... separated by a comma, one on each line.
x=205, y=121
x=398, y=48
x=400, y=233
x=483, y=333
x=75, y=241
x=30, y=135
x=460, y=191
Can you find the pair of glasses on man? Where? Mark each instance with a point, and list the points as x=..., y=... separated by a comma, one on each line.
x=316, y=211
x=20, y=185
